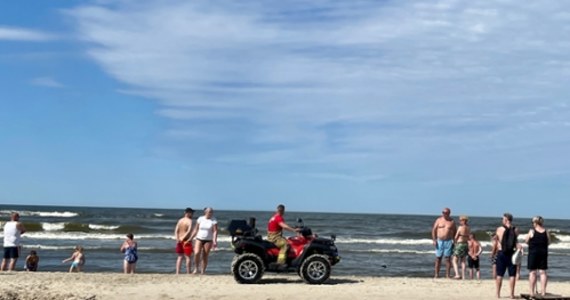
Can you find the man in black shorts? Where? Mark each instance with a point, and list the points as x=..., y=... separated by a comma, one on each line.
x=13, y=230
x=504, y=256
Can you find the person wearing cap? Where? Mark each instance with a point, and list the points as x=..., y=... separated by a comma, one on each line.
x=183, y=242
x=275, y=228
x=13, y=230
x=461, y=247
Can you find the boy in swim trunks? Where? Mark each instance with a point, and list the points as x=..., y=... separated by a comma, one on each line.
x=183, y=242
x=475, y=251
x=442, y=235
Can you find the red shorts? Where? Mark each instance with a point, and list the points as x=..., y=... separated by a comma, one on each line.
x=184, y=248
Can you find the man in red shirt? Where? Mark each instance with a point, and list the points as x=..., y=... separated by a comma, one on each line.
x=275, y=233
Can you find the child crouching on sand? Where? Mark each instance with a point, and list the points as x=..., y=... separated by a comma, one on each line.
x=77, y=258
x=32, y=261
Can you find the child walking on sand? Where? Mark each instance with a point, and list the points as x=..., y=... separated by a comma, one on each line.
x=32, y=261
x=77, y=258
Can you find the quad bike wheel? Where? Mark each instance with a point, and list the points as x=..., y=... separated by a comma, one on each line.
x=316, y=269
x=247, y=268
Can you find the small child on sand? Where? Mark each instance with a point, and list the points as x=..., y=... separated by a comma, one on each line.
x=475, y=251
x=77, y=258
x=32, y=261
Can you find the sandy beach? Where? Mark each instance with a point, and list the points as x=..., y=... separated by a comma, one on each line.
x=55, y=285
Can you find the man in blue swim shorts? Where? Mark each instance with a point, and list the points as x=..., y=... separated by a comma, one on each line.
x=442, y=235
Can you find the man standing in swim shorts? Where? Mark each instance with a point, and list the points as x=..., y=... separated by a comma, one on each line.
x=183, y=242
x=442, y=235
x=13, y=230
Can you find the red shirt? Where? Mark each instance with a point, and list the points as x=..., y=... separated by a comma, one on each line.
x=273, y=225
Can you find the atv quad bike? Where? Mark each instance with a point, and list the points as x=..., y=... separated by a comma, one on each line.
x=311, y=257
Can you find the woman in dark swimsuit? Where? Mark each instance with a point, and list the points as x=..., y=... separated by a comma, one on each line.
x=538, y=240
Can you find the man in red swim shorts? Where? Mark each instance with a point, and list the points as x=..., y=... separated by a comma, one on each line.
x=183, y=242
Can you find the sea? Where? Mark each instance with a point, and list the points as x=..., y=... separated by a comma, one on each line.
x=369, y=244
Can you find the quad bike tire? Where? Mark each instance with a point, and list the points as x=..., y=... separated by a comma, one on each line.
x=316, y=269
x=247, y=268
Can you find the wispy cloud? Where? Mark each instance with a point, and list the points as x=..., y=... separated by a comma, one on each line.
x=366, y=85
x=47, y=82
x=346, y=177
x=24, y=34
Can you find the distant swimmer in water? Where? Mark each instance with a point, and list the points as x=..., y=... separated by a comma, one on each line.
x=442, y=235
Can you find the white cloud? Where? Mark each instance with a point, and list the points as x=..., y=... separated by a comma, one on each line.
x=23, y=34
x=366, y=85
x=47, y=82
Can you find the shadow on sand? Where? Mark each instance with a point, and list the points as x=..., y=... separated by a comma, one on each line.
x=332, y=281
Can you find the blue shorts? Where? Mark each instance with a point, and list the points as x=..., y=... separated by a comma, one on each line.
x=504, y=263
x=443, y=248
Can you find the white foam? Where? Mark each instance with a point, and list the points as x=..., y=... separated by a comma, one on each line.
x=385, y=241
x=45, y=247
x=57, y=214
x=50, y=235
x=563, y=238
x=559, y=246
x=53, y=226
x=158, y=215
x=102, y=227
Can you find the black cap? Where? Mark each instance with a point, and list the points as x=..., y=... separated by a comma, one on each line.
x=188, y=210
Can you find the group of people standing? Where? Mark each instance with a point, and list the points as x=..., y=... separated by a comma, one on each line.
x=204, y=233
x=456, y=243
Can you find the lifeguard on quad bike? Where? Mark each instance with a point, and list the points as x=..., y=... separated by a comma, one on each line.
x=309, y=256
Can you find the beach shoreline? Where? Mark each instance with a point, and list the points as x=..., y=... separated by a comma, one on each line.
x=115, y=286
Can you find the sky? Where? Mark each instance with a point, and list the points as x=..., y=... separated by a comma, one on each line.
x=330, y=106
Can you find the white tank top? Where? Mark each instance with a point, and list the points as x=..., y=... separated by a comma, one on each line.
x=11, y=234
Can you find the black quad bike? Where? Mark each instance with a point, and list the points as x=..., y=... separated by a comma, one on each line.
x=311, y=257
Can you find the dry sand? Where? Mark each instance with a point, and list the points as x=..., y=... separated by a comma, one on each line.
x=53, y=285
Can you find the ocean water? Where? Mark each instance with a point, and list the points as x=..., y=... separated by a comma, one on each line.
x=369, y=244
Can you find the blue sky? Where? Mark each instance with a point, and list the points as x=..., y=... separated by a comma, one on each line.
x=340, y=106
